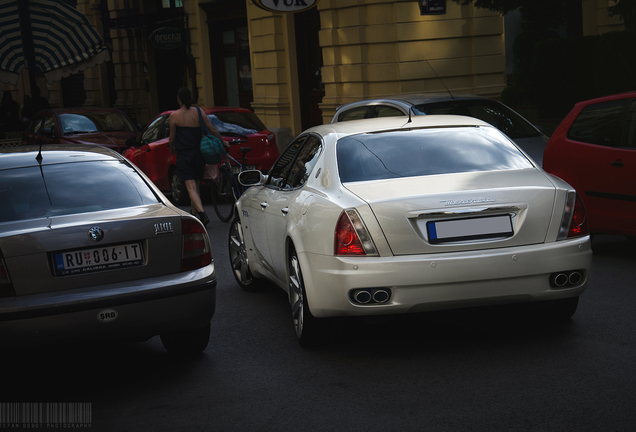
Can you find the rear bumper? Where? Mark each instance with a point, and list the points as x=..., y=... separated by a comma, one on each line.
x=120, y=311
x=419, y=283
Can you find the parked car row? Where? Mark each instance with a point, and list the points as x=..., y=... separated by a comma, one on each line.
x=397, y=206
x=148, y=148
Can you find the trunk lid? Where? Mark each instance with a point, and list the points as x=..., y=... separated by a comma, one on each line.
x=36, y=251
x=461, y=212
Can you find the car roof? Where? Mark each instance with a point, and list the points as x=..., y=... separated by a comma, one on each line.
x=381, y=124
x=81, y=110
x=415, y=99
x=25, y=156
x=214, y=109
x=608, y=98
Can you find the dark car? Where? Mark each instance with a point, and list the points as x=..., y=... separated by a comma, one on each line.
x=239, y=126
x=529, y=138
x=90, y=249
x=107, y=127
x=594, y=149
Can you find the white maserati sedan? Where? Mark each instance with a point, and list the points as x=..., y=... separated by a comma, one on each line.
x=400, y=215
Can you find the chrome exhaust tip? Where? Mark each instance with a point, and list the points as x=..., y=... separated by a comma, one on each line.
x=561, y=279
x=362, y=296
x=380, y=296
x=575, y=278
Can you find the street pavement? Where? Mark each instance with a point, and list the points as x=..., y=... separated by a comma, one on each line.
x=489, y=370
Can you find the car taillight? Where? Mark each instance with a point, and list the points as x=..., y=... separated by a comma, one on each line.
x=574, y=222
x=271, y=139
x=351, y=236
x=196, y=245
x=6, y=287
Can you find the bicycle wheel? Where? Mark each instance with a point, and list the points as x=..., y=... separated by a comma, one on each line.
x=224, y=195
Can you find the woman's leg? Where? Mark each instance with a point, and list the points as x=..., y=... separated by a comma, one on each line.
x=195, y=197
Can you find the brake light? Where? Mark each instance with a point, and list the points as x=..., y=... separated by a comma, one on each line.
x=195, y=245
x=574, y=221
x=6, y=287
x=578, y=226
x=351, y=236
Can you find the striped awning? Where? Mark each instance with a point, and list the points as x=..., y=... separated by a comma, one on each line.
x=64, y=41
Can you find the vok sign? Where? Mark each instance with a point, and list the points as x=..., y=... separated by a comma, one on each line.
x=285, y=5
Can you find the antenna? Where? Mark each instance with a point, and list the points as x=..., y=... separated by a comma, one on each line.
x=440, y=80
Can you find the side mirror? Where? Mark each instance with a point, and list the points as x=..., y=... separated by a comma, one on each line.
x=251, y=178
x=131, y=141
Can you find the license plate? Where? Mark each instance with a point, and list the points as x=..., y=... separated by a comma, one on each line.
x=235, y=169
x=469, y=229
x=97, y=259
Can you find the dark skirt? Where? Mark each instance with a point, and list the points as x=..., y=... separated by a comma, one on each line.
x=190, y=164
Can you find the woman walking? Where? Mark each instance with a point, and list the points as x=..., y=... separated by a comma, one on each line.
x=185, y=138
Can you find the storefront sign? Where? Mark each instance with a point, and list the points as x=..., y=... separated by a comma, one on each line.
x=432, y=7
x=167, y=38
x=285, y=5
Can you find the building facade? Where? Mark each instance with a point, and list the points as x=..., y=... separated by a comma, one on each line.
x=292, y=69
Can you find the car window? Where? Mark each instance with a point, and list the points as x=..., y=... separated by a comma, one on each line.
x=155, y=130
x=600, y=124
x=35, y=125
x=47, y=122
x=284, y=164
x=54, y=190
x=426, y=152
x=492, y=112
x=386, y=111
x=354, y=114
x=305, y=161
x=103, y=121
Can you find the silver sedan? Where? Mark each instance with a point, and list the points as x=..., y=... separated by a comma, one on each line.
x=393, y=216
x=90, y=249
x=531, y=139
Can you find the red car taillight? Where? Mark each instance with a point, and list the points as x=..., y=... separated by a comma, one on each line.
x=6, y=287
x=196, y=247
x=574, y=221
x=578, y=226
x=351, y=236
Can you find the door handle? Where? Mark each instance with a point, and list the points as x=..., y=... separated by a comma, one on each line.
x=617, y=163
x=264, y=205
x=284, y=210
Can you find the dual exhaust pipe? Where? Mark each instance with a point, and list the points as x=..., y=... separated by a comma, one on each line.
x=370, y=296
x=566, y=279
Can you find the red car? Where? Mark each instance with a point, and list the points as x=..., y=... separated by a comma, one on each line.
x=239, y=126
x=107, y=127
x=594, y=149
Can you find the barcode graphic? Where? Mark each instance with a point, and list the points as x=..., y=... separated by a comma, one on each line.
x=61, y=414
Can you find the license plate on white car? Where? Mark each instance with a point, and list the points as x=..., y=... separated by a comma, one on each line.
x=469, y=229
x=97, y=259
x=235, y=169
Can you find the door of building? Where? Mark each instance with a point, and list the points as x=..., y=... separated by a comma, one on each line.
x=309, y=54
x=230, y=52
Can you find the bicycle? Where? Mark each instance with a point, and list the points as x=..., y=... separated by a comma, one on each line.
x=226, y=189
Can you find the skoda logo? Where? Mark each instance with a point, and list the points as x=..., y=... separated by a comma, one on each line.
x=96, y=234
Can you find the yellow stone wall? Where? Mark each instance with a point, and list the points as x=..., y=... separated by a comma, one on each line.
x=378, y=47
x=274, y=76
x=595, y=18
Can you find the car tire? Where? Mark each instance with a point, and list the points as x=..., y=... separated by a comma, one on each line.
x=187, y=342
x=310, y=331
x=178, y=192
x=238, y=258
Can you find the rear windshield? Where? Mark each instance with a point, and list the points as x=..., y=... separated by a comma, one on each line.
x=426, y=152
x=62, y=189
x=107, y=121
x=240, y=123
